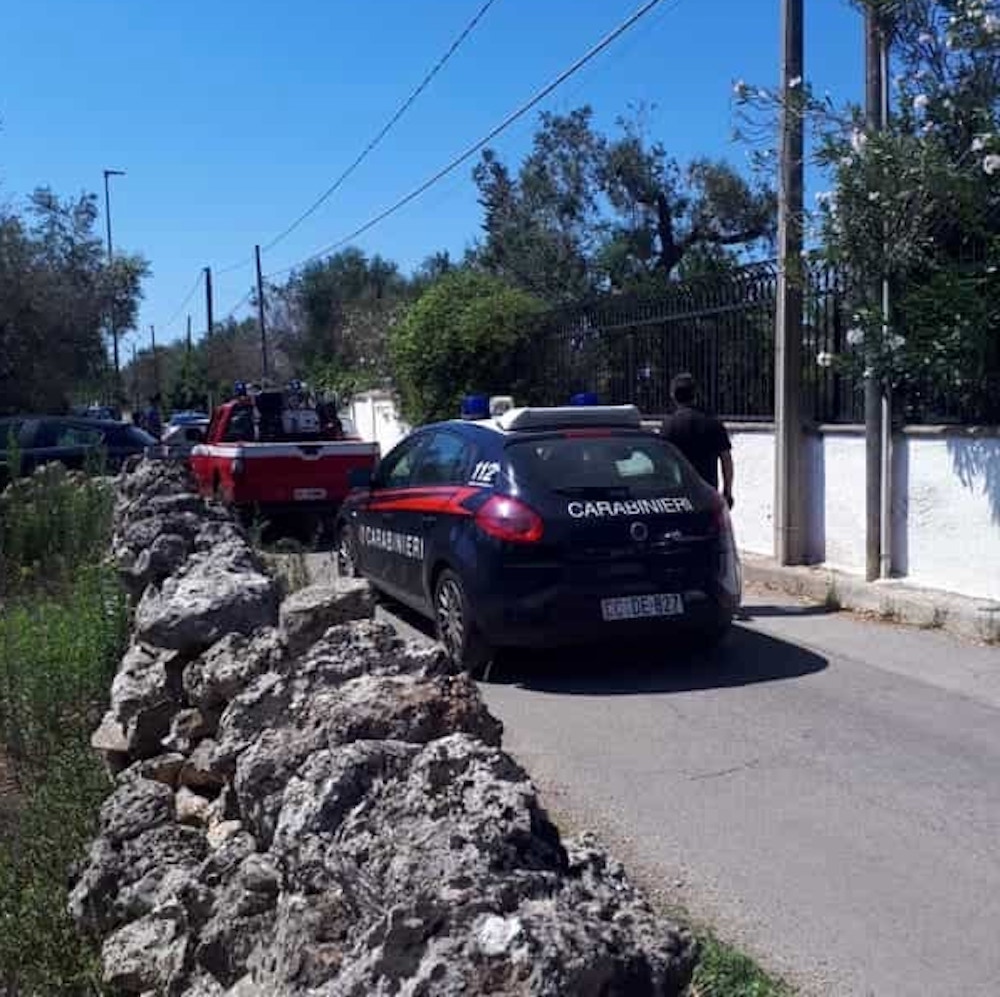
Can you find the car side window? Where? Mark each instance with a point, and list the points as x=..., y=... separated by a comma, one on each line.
x=395, y=471
x=62, y=434
x=444, y=461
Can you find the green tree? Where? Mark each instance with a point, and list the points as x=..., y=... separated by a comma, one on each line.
x=588, y=212
x=55, y=296
x=918, y=205
x=464, y=334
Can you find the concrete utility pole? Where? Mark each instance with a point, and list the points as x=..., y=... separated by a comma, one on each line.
x=789, y=498
x=208, y=301
x=878, y=424
x=260, y=316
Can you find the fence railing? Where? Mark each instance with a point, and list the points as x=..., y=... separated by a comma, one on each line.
x=721, y=329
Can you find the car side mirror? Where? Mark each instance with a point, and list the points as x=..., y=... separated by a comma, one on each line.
x=194, y=435
x=360, y=477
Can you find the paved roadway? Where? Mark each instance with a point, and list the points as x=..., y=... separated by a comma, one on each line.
x=824, y=791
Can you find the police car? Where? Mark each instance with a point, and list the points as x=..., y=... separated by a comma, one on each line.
x=535, y=527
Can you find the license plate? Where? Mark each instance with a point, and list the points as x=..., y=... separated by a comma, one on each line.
x=638, y=607
x=309, y=494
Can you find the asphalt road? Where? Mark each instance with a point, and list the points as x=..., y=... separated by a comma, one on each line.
x=824, y=791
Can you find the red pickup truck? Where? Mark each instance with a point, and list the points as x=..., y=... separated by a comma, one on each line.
x=258, y=453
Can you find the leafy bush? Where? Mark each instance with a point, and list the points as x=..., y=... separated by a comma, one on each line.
x=463, y=335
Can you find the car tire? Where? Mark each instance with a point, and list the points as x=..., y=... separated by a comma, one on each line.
x=456, y=628
x=346, y=554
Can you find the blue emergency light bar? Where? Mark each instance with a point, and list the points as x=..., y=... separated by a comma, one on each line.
x=476, y=407
x=585, y=398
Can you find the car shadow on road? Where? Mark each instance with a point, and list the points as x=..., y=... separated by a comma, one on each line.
x=746, y=657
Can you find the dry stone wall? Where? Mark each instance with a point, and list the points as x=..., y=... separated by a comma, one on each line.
x=306, y=805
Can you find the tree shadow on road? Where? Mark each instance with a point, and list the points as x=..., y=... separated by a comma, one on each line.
x=745, y=658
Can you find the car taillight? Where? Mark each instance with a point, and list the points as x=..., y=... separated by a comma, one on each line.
x=510, y=519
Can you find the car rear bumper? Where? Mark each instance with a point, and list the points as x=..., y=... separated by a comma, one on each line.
x=555, y=618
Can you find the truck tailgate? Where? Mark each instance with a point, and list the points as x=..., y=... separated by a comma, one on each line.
x=282, y=473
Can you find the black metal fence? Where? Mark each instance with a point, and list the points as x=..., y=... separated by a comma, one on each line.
x=721, y=329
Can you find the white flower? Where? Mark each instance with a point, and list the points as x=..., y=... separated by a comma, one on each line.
x=896, y=342
x=847, y=161
x=979, y=143
x=858, y=140
x=920, y=102
x=926, y=38
x=991, y=164
x=824, y=359
x=873, y=196
x=855, y=336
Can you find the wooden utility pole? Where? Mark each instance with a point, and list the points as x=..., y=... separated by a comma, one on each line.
x=189, y=339
x=877, y=423
x=789, y=498
x=208, y=301
x=260, y=317
x=156, y=361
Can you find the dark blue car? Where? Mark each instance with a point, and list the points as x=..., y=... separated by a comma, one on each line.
x=542, y=527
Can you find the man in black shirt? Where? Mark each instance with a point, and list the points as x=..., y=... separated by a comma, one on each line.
x=700, y=437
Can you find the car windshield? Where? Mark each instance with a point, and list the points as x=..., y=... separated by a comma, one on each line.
x=621, y=465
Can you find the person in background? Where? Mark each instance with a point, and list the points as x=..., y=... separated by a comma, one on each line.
x=700, y=437
x=154, y=423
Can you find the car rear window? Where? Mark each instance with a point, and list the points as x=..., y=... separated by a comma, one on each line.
x=621, y=464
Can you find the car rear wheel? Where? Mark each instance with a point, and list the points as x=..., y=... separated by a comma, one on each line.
x=456, y=628
x=347, y=554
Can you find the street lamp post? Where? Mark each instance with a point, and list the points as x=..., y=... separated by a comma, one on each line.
x=111, y=307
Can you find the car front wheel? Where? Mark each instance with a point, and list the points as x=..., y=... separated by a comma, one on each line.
x=456, y=628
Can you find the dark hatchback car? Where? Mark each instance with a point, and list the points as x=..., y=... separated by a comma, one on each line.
x=78, y=443
x=544, y=527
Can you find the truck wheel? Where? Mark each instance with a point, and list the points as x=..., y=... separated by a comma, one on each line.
x=456, y=628
x=347, y=554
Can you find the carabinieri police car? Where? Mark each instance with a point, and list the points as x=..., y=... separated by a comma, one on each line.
x=543, y=526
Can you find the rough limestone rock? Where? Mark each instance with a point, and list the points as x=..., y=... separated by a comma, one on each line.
x=323, y=810
x=145, y=696
x=214, y=595
x=229, y=665
x=307, y=614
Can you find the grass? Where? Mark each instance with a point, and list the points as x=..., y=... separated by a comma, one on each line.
x=726, y=972
x=62, y=630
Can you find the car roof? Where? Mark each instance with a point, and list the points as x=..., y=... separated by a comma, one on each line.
x=520, y=422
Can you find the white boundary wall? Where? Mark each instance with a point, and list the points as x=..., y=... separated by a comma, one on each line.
x=377, y=419
x=946, y=507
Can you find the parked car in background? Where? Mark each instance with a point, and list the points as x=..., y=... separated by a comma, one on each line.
x=76, y=442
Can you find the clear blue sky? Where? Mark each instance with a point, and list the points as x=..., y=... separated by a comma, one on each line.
x=230, y=118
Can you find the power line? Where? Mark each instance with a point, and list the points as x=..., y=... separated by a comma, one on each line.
x=187, y=298
x=239, y=304
x=473, y=149
x=386, y=128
